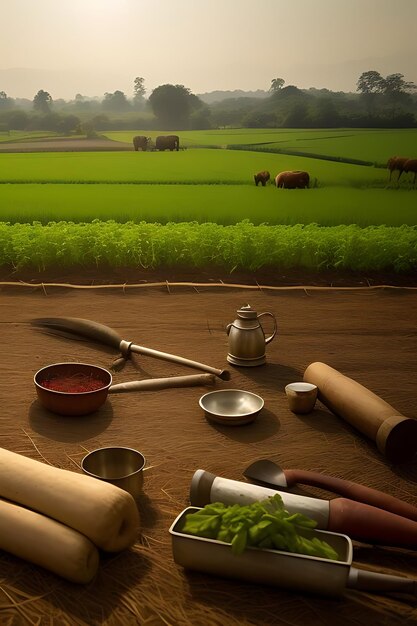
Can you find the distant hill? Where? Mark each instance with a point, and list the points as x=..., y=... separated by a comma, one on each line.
x=217, y=96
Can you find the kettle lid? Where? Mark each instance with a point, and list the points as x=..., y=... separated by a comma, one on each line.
x=247, y=312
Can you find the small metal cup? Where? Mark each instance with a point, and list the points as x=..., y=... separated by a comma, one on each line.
x=301, y=397
x=122, y=467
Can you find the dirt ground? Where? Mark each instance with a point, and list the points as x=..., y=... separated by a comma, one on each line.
x=264, y=276
x=368, y=334
x=64, y=145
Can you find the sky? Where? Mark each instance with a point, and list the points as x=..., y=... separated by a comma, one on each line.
x=92, y=47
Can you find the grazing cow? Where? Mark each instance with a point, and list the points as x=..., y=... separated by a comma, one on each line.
x=167, y=142
x=140, y=141
x=292, y=180
x=262, y=177
x=396, y=164
x=411, y=166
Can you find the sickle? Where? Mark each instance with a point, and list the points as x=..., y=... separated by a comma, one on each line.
x=77, y=326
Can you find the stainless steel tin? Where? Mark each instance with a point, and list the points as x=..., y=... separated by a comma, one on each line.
x=122, y=467
x=273, y=567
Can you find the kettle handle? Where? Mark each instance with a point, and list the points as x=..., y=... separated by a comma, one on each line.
x=268, y=339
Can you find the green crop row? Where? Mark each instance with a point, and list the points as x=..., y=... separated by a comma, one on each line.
x=222, y=204
x=243, y=245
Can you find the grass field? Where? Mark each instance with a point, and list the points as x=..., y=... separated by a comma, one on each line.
x=374, y=145
x=195, y=185
x=222, y=204
x=200, y=205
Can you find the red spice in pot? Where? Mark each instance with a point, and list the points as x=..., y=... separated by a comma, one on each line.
x=77, y=383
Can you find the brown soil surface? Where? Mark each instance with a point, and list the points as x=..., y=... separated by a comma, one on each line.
x=67, y=144
x=368, y=334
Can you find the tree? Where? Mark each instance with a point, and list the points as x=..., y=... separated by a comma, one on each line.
x=172, y=105
x=395, y=83
x=42, y=102
x=397, y=93
x=392, y=90
x=5, y=101
x=116, y=101
x=276, y=84
x=139, y=90
x=370, y=82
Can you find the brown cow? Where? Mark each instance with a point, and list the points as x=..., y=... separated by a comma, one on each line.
x=140, y=141
x=167, y=142
x=411, y=166
x=262, y=177
x=293, y=180
x=396, y=164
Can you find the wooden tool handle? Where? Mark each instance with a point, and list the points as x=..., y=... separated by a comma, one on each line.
x=370, y=524
x=157, y=354
x=352, y=490
x=394, y=434
x=153, y=384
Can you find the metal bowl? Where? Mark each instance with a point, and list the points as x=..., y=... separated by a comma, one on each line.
x=77, y=403
x=232, y=407
x=119, y=466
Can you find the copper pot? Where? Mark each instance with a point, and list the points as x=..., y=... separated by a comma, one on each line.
x=76, y=403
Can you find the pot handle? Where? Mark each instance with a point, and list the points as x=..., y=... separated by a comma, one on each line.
x=270, y=338
x=154, y=384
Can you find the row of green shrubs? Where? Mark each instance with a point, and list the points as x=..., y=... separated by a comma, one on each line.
x=243, y=246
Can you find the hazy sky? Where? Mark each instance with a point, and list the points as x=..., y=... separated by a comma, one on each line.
x=97, y=46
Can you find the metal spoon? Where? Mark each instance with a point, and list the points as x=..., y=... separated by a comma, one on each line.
x=270, y=474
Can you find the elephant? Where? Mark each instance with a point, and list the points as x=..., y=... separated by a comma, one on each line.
x=396, y=163
x=292, y=180
x=411, y=166
x=262, y=177
x=167, y=142
x=140, y=141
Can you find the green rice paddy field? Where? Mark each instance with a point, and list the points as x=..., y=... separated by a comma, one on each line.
x=205, y=184
x=200, y=205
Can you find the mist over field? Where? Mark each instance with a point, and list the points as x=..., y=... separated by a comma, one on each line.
x=92, y=47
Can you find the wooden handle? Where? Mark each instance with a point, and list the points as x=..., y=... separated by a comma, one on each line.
x=157, y=354
x=103, y=334
x=394, y=434
x=352, y=490
x=153, y=384
x=371, y=525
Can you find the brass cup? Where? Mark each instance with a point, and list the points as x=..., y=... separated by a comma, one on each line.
x=301, y=397
x=122, y=467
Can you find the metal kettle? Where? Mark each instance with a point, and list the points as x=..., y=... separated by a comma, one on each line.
x=247, y=339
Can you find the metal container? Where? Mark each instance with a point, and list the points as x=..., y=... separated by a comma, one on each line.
x=78, y=403
x=231, y=407
x=296, y=572
x=246, y=338
x=119, y=466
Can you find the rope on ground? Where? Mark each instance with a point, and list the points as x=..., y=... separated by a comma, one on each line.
x=167, y=285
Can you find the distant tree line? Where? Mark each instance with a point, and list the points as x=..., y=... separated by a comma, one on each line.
x=379, y=102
